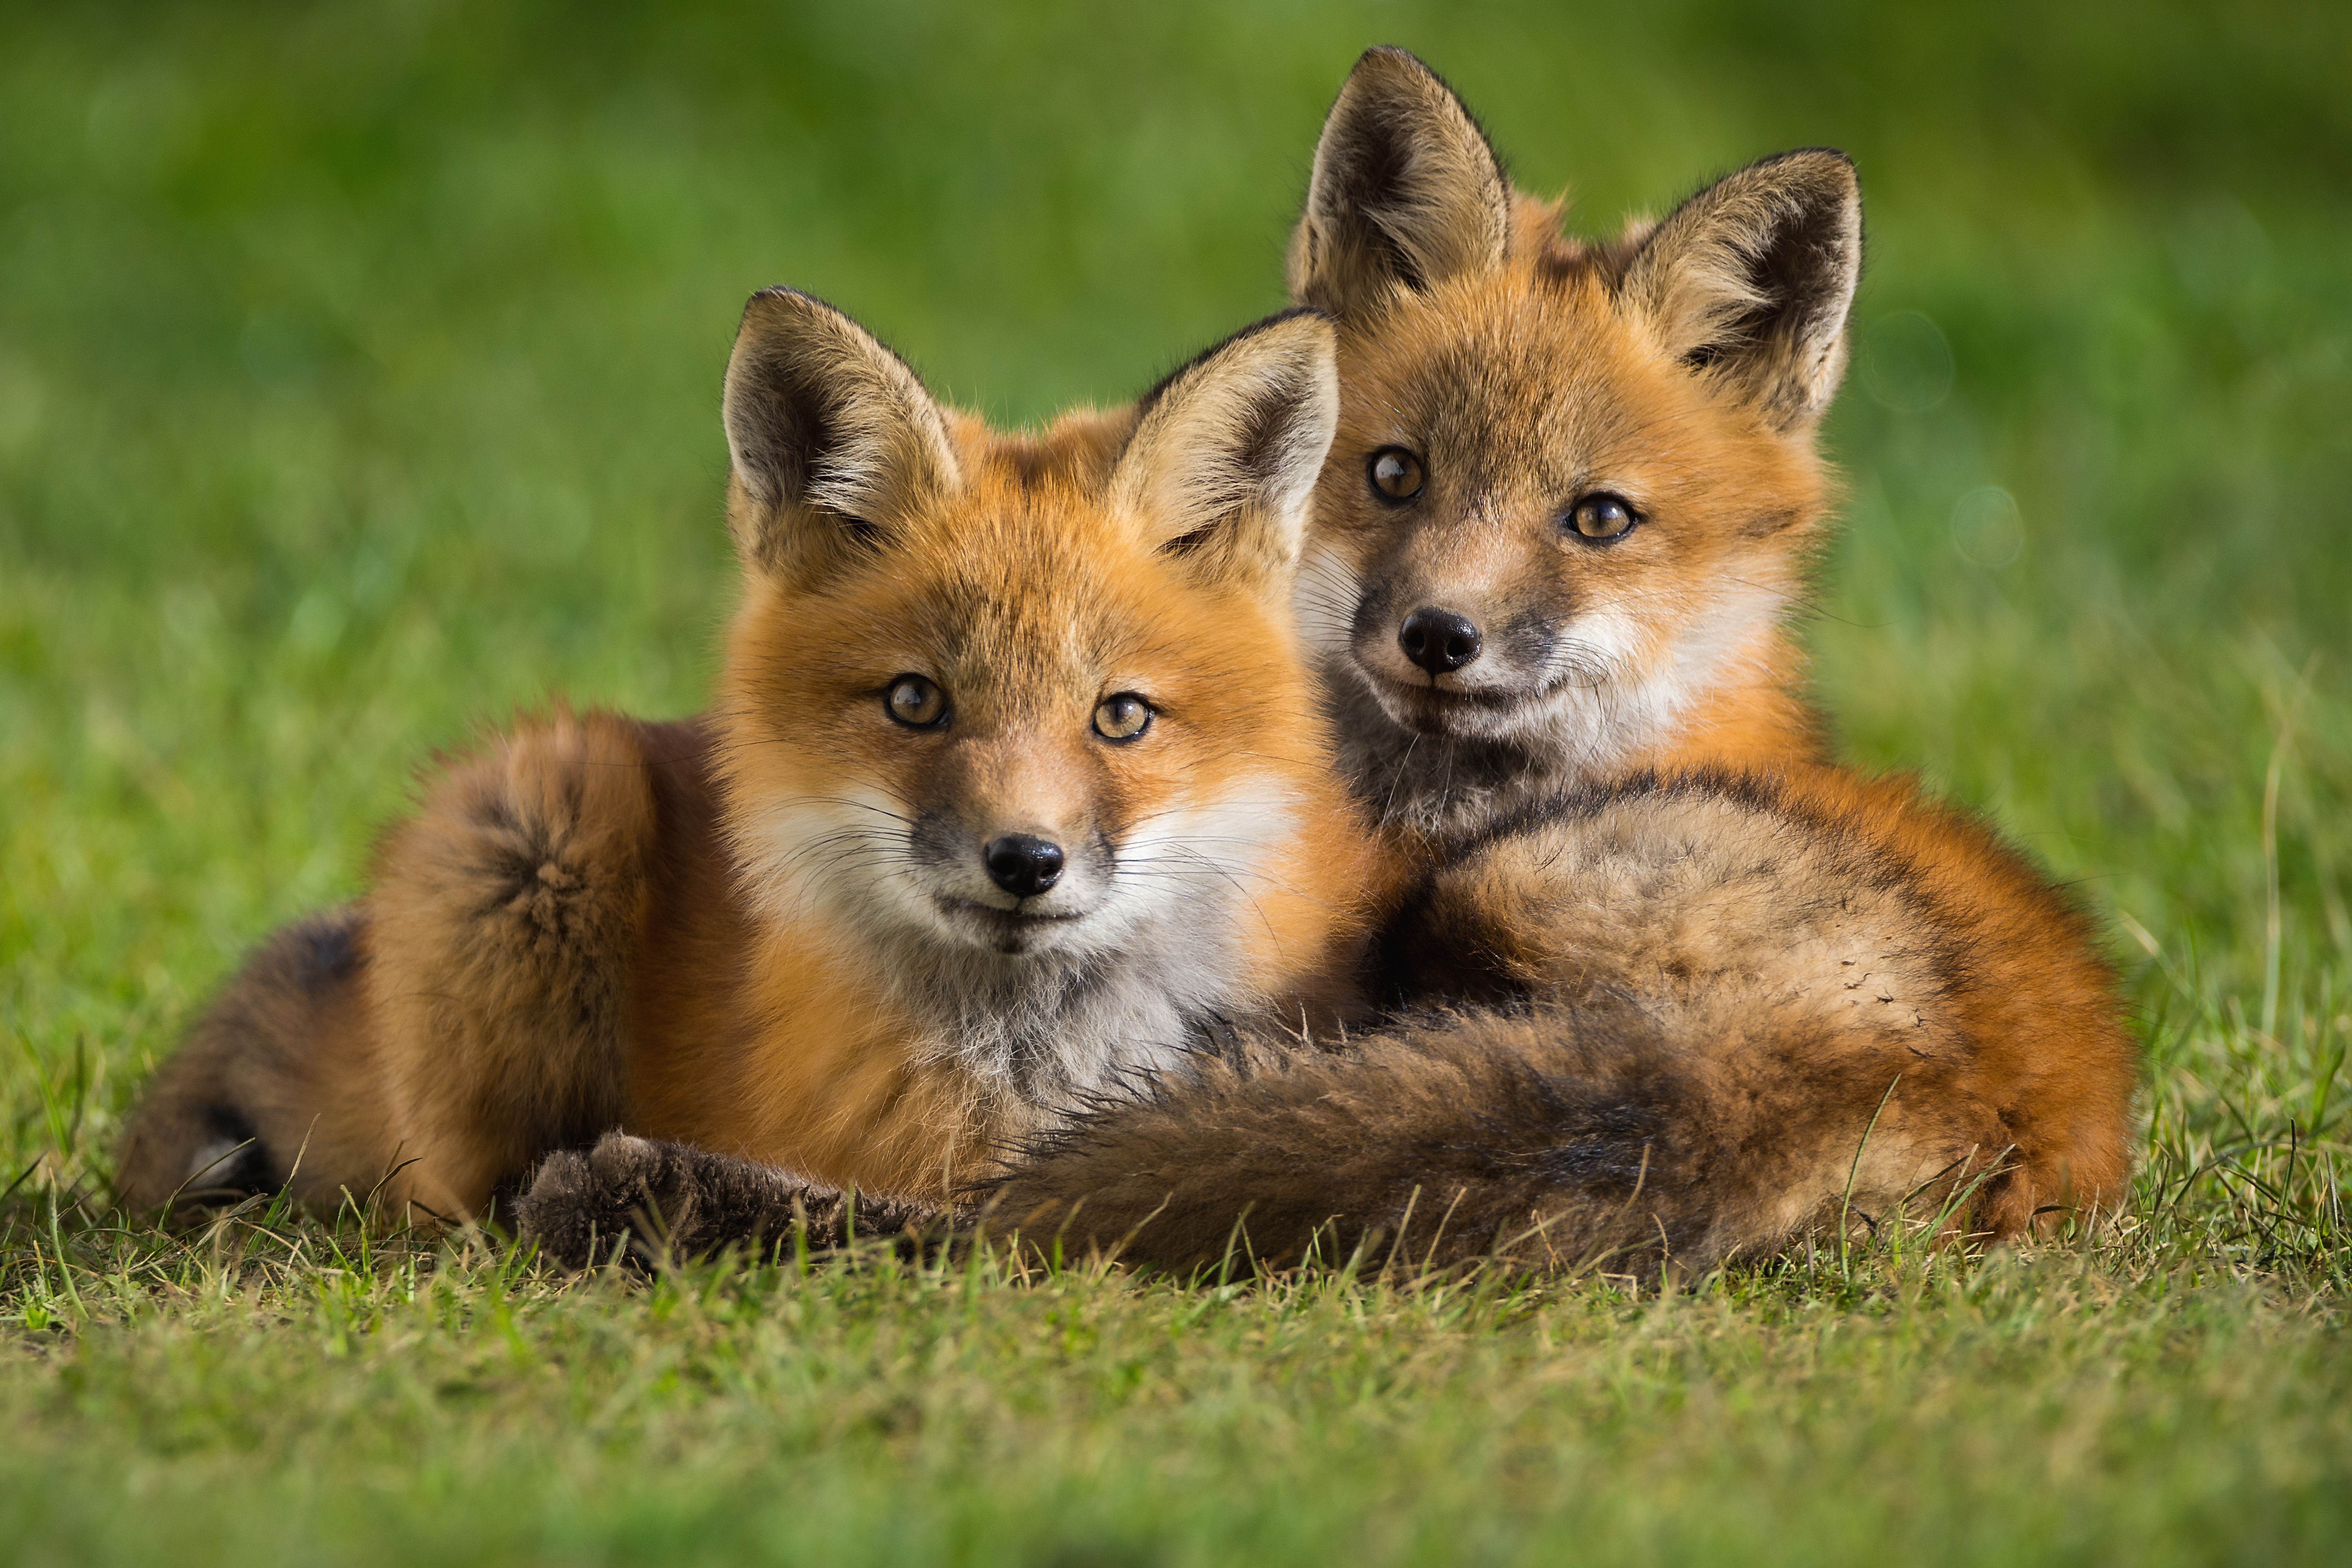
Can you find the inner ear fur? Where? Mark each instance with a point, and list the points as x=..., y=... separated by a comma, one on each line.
x=1750, y=282
x=1221, y=463
x=831, y=435
x=1406, y=192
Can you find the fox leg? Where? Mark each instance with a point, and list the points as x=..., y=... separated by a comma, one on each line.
x=506, y=916
x=667, y=1200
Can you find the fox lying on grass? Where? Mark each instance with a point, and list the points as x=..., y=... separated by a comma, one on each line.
x=1015, y=782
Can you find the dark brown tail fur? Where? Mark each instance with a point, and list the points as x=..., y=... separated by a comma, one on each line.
x=259, y=1082
x=1561, y=1138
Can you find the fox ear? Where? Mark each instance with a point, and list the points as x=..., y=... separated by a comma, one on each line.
x=1750, y=280
x=1406, y=192
x=832, y=435
x=1221, y=463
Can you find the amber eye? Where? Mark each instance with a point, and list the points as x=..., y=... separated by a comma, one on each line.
x=1395, y=473
x=917, y=702
x=1122, y=717
x=1602, y=516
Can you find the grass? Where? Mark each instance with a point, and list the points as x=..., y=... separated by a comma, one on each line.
x=358, y=376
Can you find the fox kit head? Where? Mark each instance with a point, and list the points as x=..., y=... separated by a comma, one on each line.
x=1022, y=723
x=1574, y=488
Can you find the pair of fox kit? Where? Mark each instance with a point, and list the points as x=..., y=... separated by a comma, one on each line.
x=1362, y=788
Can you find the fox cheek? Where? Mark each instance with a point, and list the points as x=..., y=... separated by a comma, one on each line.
x=1528, y=640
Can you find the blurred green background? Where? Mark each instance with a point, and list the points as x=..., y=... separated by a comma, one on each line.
x=359, y=372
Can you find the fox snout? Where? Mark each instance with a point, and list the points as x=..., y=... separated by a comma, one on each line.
x=1022, y=863
x=1004, y=860
x=1023, y=890
x=1440, y=641
x=1009, y=847
x=1446, y=638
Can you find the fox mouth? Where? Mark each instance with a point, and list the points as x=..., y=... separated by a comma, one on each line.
x=1007, y=931
x=1442, y=711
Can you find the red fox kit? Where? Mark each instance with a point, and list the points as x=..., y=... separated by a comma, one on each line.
x=1568, y=511
x=1014, y=783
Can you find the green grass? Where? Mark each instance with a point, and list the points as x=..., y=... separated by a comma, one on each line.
x=358, y=373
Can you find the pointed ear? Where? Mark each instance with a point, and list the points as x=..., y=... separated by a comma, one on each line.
x=1222, y=464
x=1750, y=280
x=833, y=437
x=1406, y=192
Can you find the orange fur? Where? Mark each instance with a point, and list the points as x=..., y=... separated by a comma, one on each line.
x=776, y=931
x=2054, y=1060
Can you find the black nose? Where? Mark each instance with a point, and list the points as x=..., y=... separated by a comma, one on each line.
x=1439, y=641
x=1024, y=866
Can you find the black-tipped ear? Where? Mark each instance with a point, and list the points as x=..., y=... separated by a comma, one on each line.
x=1750, y=280
x=1406, y=192
x=1222, y=464
x=833, y=437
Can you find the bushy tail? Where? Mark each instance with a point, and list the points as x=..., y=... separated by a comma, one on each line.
x=251, y=1099
x=1602, y=1137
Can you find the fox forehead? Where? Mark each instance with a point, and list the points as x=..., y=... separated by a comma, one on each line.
x=1528, y=384
x=1020, y=600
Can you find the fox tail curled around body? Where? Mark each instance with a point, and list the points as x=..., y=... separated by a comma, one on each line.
x=1557, y=1137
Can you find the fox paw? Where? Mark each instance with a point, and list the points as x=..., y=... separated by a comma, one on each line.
x=650, y=1204
x=647, y=1202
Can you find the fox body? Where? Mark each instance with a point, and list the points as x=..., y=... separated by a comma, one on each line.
x=1015, y=785
x=1574, y=499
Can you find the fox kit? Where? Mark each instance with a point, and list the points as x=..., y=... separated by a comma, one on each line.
x=1575, y=494
x=1014, y=786
x=1573, y=499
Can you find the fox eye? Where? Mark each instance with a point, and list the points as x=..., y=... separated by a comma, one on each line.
x=1602, y=516
x=1395, y=473
x=1122, y=717
x=917, y=703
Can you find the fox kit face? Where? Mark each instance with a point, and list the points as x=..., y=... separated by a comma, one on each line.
x=1535, y=526
x=1574, y=489
x=1012, y=730
x=1021, y=724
